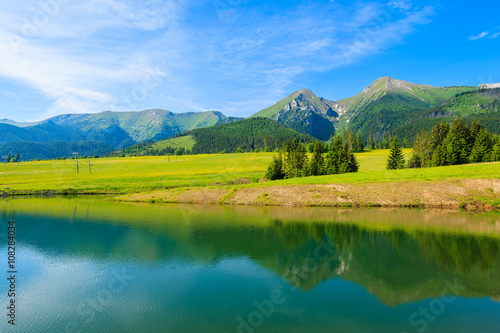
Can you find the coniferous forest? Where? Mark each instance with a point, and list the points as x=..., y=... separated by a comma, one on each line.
x=293, y=161
x=453, y=144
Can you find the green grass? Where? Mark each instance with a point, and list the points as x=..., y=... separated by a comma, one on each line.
x=139, y=174
x=187, y=142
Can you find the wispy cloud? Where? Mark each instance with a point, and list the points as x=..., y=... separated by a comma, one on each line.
x=481, y=35
x=495, y=35
x=73, y=53
x=95, y=55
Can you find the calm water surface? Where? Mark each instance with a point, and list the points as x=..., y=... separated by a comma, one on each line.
x=88, y=265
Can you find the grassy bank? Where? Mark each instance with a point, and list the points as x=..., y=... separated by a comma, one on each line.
x=234, y=179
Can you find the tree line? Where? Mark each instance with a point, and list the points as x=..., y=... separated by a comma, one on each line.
x=448, y=144
x=293, y=161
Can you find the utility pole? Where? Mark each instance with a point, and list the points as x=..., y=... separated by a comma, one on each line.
x=75, y=155
x=90, y=170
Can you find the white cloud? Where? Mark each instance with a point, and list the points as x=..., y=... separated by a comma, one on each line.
x=96, y=55
x=73, y=53
x=493, y=36
x=481, y=35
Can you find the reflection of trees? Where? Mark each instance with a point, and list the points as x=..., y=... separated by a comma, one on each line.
x=394, y=265
x=463, y=251
x=447, y=250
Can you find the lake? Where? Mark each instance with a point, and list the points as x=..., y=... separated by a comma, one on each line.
x=91, y=265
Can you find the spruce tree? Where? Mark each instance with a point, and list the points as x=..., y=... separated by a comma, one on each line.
x=452, y=150
x=415, y=161
x=352, y=140
x=371, y=142
x=396, y=159
x=317, y=163
x=344, y=165
x=300, y=161
x=475, y=129
x=483, y=146
x=437, y=158
x=495, y=153
x=275, y=170
x=359, y=143
x=333, y=156
x=460, y=129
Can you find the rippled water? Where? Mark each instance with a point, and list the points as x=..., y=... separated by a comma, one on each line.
x=89, y=265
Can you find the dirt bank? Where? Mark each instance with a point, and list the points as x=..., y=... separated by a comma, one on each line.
x=463, y=193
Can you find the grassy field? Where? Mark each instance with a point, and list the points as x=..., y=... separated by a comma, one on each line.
x=187, y=142
x=139, y=174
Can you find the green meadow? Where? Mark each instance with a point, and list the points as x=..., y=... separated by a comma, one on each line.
x=139, y=174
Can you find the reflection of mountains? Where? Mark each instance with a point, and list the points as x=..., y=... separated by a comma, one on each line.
x=395, y=264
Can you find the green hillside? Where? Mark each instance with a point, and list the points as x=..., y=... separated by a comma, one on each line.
x=244, y=135
x=388, y=104
x=115, y=129
x=150, y=124
x=430, y=95
x=186, y=142
x=247, y=135
x=478, y=105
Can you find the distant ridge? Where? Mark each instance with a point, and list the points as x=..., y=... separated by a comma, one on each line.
x=117, y=129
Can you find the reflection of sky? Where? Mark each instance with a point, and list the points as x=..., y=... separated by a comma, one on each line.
x=204, y=279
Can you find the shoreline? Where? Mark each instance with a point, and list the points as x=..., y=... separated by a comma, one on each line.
x=468, y=194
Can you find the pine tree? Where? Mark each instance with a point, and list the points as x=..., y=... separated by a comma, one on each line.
x=396, y=159
x=475, y=130
x=406, y=143
x=460, y=129
x=483, y=146
x=437, y=158
x=415, y=161
x=495, y=153
x=275, y=170
x=300, y=160
x=333, y=156
x=317, y=164
x=359, y=143
x=452, y=150
x=371, y=142
x=310, y=147
x=351, y=140
x=438, y=134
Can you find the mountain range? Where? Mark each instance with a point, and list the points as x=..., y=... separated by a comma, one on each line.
x=387, y=105
x=381, y=107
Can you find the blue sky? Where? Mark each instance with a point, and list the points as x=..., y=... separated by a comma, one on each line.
x=235, y=56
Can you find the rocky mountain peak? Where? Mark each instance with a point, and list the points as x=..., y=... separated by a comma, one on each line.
x=489, y=85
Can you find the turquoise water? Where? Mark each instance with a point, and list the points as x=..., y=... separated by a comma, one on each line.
x=88, y=265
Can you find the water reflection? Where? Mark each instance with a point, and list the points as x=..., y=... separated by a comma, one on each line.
x=211, y=252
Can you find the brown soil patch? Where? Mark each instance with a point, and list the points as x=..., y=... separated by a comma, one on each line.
x=466, y=193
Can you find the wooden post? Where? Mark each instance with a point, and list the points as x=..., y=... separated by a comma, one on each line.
x=77, y=171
